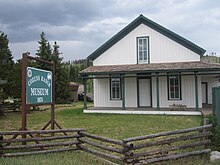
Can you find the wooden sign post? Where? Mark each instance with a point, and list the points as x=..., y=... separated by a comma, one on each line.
x=38, y=88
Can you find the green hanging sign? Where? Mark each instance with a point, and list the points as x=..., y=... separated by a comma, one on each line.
x=38, y=86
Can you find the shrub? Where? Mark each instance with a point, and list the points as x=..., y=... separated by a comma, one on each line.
x=215, y=138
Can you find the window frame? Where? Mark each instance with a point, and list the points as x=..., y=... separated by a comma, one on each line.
x=111, y=88
x=147, y=50
x=175, y=85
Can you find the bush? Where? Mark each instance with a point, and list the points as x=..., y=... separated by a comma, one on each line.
x=215, y=145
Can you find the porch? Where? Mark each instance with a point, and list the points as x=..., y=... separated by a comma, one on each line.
x=150, y=111
x=166, y=88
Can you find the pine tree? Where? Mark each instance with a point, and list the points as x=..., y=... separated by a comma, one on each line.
x=72, y=73
x=62, y=90
x=17, y=79
x=44, y=52
x=6, y=64
x=76, y=74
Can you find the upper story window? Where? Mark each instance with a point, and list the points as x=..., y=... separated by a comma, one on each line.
x=143, y=49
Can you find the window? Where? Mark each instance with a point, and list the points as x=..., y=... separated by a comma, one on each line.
x=143, y=49
x=115, y=89
x=174, y=88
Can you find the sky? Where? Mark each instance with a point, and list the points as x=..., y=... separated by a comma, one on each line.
x=81, y=26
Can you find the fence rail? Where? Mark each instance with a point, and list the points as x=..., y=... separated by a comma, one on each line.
x=39, y=142
x=168, y=145
x=107, y=148
x=135, y=150
x=187, y=130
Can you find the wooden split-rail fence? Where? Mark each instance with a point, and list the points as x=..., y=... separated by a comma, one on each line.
x=38, y=142
x=136, y=150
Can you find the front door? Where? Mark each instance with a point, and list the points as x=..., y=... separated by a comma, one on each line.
x=144, y=98
x=204, y=93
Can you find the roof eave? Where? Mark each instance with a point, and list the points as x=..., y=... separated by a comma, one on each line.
x=152, y=71
x=174, y=36
x=115, y=39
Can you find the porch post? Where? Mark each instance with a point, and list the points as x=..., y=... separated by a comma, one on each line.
x=196, y=91
x=85, y=93
x=157, y=91
x=123, y=92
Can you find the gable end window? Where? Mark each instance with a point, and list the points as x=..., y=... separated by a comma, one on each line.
x=143, y=50
x=115, y=88
x=174, y=87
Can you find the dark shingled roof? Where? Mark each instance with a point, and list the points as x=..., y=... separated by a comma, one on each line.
x=152, y=67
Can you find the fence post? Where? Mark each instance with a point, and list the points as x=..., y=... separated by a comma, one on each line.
x=126, y=154
x=205, y=122
x=78, y=145
x=1, y=146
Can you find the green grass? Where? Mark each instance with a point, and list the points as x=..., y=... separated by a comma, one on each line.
x=65, y=158
x=112, y=126
x=124, y=126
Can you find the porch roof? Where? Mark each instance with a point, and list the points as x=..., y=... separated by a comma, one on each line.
x=152, y=67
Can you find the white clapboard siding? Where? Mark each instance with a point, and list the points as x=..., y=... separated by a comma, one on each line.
x=188, y=92
x=212, y=81
x=102, y=93
x=162, y=49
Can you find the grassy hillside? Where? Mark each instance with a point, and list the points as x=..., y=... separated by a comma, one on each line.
x=213, y=59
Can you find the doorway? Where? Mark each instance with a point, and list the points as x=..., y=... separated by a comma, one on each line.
x=204, y=93
x=144, y=92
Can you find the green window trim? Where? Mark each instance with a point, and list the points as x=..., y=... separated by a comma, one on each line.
x=143, y=49
x=173, y=83
x=115, y=88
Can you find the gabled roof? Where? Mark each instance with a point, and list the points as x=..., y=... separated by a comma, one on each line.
x=143, y=20
x=152, y=67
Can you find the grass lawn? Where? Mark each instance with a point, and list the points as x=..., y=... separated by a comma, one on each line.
x=113, y=126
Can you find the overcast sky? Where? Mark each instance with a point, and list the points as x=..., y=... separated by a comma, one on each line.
x=81, y=26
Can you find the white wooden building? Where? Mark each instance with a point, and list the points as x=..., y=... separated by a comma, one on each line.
x=146, y=66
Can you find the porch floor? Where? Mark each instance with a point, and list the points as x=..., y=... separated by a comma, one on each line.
x=163, y=111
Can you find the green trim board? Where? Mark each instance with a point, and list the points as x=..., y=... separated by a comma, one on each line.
x=143, y=20
x=138, y=105
x=85, y=93
x=151, y=92
x=123, y=92
x=110, y=86
x=196, y=92
x=157, y=92
x=148, y=48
